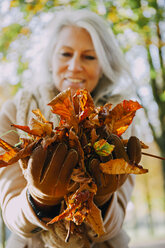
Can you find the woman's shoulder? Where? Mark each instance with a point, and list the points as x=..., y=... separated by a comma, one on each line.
x=8, y=106
x=34, y=91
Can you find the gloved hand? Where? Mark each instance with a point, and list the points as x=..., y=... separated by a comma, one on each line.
x=48, y=173
x=106, y=184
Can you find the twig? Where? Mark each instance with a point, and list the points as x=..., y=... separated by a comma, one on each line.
x=154, y=156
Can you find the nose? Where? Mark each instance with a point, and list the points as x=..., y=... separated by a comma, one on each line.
x=75, y=64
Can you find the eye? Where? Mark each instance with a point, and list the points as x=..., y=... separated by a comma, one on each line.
x=66, y=54
x=89, y=57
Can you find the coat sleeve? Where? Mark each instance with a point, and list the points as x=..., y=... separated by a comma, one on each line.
x=16, y=210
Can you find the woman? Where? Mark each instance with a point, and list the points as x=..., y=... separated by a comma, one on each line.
x=81, y=53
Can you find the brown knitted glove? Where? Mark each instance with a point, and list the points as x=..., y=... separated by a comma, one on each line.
x=106, y=184
x=48, y=173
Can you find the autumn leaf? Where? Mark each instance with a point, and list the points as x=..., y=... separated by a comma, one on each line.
x=104, y=112
x=26, y=129
x=121, y=116
x=13, y=154
x=62, y=105
x=94, y=136
x=86, y=104
x=74, y=205
x=94, y=219
x=103, y=148
x=10, y=152
x=120, y=166
x=39, y=127
x=39, y=116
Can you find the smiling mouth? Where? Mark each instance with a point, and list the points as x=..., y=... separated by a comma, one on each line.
x=75, y=80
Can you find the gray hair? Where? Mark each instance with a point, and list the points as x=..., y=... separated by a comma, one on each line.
x=108, y=52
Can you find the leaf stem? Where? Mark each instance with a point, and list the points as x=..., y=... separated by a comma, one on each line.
x=154, y=156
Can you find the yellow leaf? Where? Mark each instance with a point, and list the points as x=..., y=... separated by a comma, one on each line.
x=94, y=219
x=120, y=166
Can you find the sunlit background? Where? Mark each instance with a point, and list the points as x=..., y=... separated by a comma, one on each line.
x=139, y=26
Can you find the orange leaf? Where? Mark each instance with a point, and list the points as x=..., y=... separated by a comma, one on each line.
x=94, y=219
x=86, y=104
x=28, y=130
x=11, y=152
x=121, y=116
x=74, y=204
x=62, y=105
x=41, y=128
x=39, y=116
x=120, y=166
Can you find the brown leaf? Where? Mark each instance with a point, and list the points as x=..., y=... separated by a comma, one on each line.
x=14, y=154
x=86, y=104
x=120, y=166
x=62, y=105
x=9, y=154
x=40, y=116
x=26, y=129
x=121, y=116
x=94, y=136
x=94, y=219
x=75, y=208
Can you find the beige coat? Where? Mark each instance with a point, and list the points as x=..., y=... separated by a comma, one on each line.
x=17, y=212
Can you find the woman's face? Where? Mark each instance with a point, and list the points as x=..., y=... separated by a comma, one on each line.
x=74, y=62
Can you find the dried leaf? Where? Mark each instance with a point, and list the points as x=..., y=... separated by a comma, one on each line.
x=86, y=104
x=121, y=116
x=40, y=116
x=94, y=136
x=11, y=151
x=103, y=148
x=42, y=129
x=62, y=105
x=74, y=208
x=39, y=127
x=13, y=154
x=94, y=219
x=104, y=112
x=120, y=166
x=26, y=129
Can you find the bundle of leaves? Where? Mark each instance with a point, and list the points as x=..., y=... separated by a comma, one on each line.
x=87, y=129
